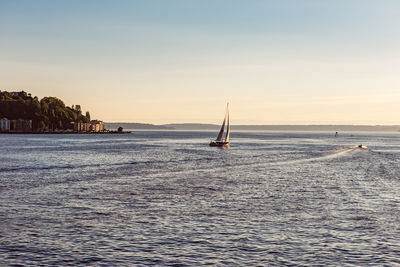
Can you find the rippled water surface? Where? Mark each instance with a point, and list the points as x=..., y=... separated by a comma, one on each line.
x=167, y=198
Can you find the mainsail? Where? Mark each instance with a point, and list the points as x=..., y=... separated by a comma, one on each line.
x=221, y=132
x=227, y=128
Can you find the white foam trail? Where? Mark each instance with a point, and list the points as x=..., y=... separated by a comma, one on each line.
x=336, y=153
x=341, y=152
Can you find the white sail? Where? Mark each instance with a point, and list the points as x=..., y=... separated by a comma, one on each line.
x=228, y=128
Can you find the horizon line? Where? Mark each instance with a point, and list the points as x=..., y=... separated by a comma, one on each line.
x=281, y=124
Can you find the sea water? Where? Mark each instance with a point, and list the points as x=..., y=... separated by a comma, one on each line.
x=167, y=198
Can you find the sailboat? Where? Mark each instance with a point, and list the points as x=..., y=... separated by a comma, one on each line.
x=220, y=138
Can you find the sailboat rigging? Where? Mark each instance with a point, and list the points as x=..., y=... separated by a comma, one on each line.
x=220, y=141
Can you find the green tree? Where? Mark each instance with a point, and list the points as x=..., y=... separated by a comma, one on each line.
x=49, y=111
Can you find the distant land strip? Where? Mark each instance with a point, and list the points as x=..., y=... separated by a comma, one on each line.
x=135, y=126
x=200, y=126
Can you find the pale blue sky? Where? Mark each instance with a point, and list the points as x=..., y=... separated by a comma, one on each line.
x=181, y=61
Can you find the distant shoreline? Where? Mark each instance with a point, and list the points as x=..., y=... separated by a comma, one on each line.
x=66, y=132
x=130, y=127
x=200, y=127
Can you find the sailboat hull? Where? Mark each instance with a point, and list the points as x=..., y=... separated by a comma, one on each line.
x=219, y=143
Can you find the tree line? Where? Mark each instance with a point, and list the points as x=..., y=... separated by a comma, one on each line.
x=49, y=112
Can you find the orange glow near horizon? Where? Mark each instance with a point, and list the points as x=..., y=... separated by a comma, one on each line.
x=273, y=64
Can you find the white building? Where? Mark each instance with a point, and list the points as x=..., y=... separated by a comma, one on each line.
x=4, y=125
x=92, y=126
x=82, y=127
x=97, y=126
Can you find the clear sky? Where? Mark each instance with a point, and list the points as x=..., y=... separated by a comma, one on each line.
x=166, y=61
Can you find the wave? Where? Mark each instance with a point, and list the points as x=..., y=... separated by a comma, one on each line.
x=80, y=166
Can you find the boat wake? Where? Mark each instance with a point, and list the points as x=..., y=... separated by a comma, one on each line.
x=334, y=153
x=359, y=147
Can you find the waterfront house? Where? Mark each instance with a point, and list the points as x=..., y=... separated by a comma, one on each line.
x=4, y=125
x=97, y=126
x=81, y=127
x=92, y=126
x=21, y=125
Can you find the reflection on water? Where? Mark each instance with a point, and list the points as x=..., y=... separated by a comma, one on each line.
x=168, y=198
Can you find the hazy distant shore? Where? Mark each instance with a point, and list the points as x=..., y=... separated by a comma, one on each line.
x=199, y=126
x=67, y=132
